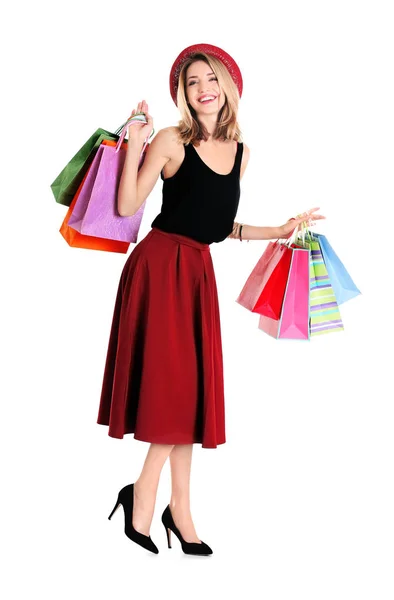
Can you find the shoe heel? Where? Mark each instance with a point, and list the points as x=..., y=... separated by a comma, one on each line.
x=187, y=547
x=126, y=499
x=117, y=504
x=168, y=532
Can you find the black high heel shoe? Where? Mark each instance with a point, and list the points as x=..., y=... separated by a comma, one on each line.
x=187, y=547
x=126, y=499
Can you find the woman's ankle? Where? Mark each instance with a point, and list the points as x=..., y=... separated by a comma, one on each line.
x=180, y=506
x=145, y=488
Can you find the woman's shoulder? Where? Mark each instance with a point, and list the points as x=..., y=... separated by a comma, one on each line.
x=171, y=135
x=245, y=158
x=246, y=151
x=170, y=142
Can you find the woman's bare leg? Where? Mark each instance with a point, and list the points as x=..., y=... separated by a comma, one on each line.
x=145, y=487
x=180, y=460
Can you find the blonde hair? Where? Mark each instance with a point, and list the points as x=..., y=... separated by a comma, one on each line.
x=227, y=128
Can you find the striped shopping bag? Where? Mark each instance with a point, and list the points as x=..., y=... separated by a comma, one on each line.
x=324, y=312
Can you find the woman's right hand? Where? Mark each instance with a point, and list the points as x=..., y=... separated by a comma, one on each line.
x=307, y=217
x=137, y=131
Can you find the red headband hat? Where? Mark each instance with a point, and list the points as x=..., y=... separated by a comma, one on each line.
x=215, y=51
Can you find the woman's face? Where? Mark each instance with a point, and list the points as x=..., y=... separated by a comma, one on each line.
x=201, y=82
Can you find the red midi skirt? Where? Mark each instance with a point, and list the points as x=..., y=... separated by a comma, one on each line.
x=163, y=375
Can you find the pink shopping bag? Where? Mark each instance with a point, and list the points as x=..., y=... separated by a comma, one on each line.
x=293, y=322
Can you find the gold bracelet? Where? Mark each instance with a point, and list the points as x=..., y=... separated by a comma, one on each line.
x=236, y=232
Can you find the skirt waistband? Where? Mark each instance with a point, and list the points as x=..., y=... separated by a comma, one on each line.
x=182, y=239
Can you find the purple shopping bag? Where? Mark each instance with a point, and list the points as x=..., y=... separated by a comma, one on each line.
x=95, y=212
x=293, y=322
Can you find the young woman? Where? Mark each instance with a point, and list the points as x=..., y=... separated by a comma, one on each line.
x=163, y=377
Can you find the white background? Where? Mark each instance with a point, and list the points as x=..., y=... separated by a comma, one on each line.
x=299, y=502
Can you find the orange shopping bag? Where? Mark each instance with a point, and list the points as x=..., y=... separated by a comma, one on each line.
x=79, y=240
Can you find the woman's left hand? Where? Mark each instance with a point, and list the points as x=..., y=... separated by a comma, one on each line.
x=308, y=217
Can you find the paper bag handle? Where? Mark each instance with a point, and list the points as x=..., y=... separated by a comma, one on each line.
x=138, y=117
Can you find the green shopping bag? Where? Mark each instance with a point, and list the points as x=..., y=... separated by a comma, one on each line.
x=68, y=181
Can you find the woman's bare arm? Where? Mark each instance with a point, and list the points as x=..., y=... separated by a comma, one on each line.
x=135, y=186
x=245, y=159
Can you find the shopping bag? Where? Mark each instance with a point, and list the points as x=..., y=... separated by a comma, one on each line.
x=259, y=276
x=65, y=185
x=67, y=182
x=293, y=322
x=78, y=240
x=325, y=316
x=95, y=212
x=343, y=285
x=270, y=301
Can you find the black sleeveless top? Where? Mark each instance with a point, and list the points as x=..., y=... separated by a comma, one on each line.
x=198, y=202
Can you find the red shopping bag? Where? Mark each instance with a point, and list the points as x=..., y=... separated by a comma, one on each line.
x=270, y=301
x=260, y=275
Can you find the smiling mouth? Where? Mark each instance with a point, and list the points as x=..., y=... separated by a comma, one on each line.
x=206, y=101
